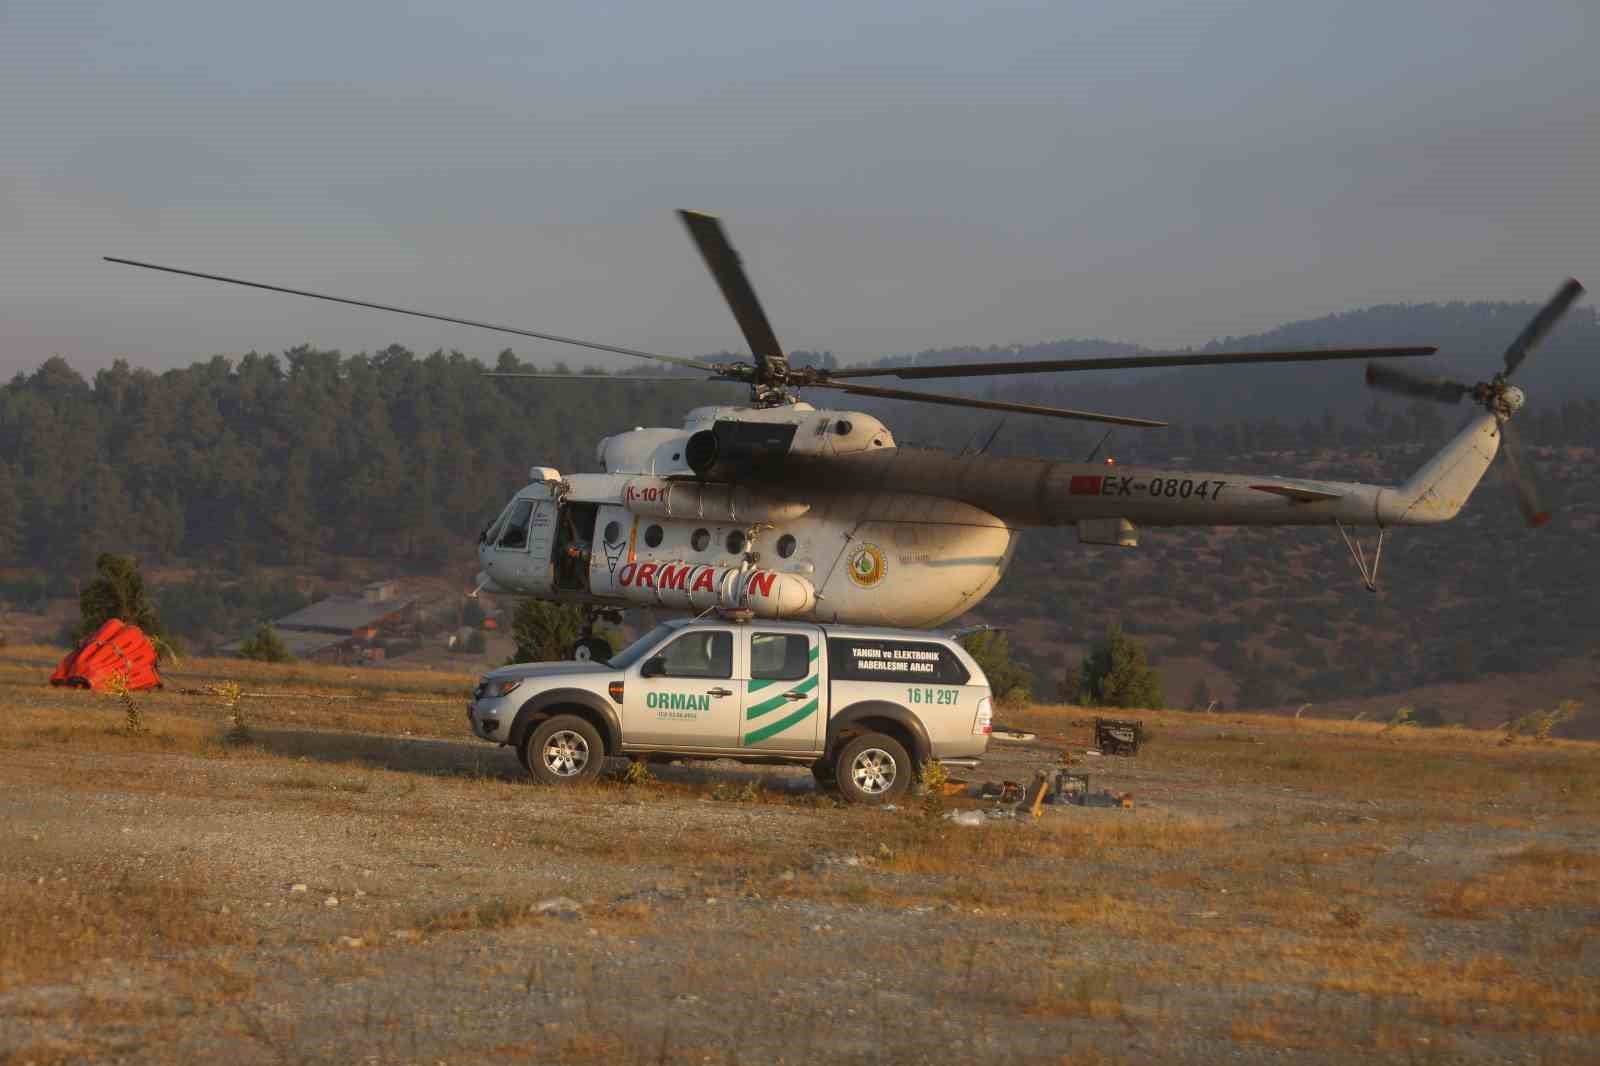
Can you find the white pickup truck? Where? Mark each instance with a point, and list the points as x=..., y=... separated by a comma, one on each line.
x=864, y=708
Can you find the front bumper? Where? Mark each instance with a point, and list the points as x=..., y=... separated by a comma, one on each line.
x=490, y=718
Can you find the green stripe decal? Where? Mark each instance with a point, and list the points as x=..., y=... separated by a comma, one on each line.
x=757, y=686
x=774, y=728
x=767, y=706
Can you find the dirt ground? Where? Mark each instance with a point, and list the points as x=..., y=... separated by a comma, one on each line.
x=357, y=880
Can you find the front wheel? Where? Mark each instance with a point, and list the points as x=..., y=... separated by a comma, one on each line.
x=563, y=750
x=873, y=769
x=592, y=649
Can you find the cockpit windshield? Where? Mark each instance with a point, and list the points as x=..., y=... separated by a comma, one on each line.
x=491, y=532
x=636, y=651
x=515, y=534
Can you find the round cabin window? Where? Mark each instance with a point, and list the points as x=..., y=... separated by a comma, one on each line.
x=652, y=536
x=700, y=540
x=736, y=542
x=613, y=533
x=786, y=545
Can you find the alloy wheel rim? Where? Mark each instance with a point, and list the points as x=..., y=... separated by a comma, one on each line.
x=566, y=753
x=873, y=771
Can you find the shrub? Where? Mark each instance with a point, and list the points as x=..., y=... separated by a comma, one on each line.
x=265, y=646
x=1011, y=683
x=1117, y=674
x=545, y=631
x=117, y=592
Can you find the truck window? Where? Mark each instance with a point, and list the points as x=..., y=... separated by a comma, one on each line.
x=700, y=654
x=850, y=659
x=516, y=531
x=779, y=656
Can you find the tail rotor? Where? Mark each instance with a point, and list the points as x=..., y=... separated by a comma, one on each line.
x=1497, y=396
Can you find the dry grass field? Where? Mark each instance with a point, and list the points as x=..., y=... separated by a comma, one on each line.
x=350, y=878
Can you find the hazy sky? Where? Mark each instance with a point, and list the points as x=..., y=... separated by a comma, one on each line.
x=898, y=176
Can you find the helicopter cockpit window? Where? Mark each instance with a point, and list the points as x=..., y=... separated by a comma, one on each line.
x=515, y=535
x=491, y=532
x=700, y=654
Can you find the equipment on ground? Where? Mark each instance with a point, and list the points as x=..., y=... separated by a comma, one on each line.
x=115, y=656
x=1117, y=736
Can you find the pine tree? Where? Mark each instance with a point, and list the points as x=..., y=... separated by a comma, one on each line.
x=1010, y=682
x=1117, y=674
x=545, y=631
x=10, y=516
x=266, y=646
x=118, y=592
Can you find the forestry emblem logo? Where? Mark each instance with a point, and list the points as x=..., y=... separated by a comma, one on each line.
x=866, y=565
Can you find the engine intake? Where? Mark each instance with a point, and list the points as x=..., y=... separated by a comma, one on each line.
x=732, y=450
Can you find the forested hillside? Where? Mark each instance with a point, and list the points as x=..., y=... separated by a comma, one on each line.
x=234, y=464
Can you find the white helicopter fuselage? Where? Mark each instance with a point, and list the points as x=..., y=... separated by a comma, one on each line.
x=648, y=532
x=853, y=529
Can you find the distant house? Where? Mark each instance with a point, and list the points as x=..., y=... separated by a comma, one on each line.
x=345, y=628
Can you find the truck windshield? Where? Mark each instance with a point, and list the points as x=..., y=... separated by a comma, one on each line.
x=636, y=651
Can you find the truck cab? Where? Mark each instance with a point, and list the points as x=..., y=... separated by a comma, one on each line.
x=864, y=708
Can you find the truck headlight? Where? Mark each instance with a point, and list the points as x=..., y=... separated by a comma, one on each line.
x=504, y=688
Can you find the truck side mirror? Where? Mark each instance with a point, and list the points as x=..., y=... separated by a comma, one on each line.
x=655, y=667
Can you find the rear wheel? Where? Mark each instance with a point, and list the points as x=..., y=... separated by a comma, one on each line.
x=873, y=769
x=563, y=750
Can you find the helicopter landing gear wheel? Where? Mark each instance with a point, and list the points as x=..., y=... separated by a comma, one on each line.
x=591, y=649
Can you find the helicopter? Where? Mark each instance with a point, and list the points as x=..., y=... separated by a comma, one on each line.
x=781, y=509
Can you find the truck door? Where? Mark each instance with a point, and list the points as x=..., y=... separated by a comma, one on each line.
x=783, y=692
x=692, y=703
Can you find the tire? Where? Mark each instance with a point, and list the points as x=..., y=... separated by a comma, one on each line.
x=592, y=649
x=564, y=750
x=873, y=769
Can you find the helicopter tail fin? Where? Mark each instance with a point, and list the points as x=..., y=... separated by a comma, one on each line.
x=1437, y=492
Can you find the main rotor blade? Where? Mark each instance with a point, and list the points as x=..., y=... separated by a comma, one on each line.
x=724, y=264
x=985, y=405
x=1519, y=472
x=603, y=378
x=1392, y=379
x=1542, y=323
x=961, y=370
x=676, y=360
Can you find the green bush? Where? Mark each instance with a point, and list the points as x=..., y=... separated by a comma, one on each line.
x=545, y=631
x=266, y=646
x=1117, y=674
x=117, y=592
x=1011, y=683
